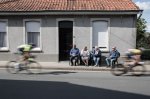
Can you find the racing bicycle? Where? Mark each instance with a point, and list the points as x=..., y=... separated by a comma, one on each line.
x=29, y=65
x=119, y=69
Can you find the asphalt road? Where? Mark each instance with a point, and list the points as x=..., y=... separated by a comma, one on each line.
x=56, y=84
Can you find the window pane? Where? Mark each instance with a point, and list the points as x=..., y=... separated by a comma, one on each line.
x=2, y=26
x=33, y=26
x=33, y=37
x=2, y=39
x=100, y=33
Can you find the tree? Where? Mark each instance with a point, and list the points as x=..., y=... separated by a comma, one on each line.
x=142, y=40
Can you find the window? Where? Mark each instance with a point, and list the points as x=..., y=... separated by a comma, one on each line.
x=3, y=35
x=100, y=34
x=32, y=29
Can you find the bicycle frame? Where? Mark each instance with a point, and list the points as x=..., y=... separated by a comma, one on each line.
x=30, y=65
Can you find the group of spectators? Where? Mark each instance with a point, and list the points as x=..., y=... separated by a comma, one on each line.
x=95, y=55
x=85, y=55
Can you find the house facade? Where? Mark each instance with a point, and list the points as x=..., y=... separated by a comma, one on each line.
x=55, y=25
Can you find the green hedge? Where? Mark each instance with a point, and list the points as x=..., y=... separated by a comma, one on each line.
x=146, y=54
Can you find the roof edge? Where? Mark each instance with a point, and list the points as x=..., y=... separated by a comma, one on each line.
x=75, y=12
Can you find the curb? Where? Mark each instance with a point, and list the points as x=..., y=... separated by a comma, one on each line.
x=76, y=68
x=73, y=68
x=65, y=66
x=79, y=68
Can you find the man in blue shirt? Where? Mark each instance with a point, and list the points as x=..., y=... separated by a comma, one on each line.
x=74, y=54
x=114, y=54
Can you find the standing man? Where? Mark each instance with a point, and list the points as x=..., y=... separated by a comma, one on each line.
x=74, y=54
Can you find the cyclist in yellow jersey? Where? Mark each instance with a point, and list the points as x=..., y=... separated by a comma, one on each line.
x=135, y=55
x=135, y=51
x=25, y=50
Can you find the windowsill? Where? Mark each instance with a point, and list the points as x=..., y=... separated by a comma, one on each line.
x=36, y=50
x=4, y=49
x=104, y=50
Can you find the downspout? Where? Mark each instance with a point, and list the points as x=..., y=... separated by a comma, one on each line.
x=140, y=12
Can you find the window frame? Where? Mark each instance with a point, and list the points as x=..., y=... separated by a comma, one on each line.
x=57, y=32
x=25, y=33
x=6, y=48
x=91, y=33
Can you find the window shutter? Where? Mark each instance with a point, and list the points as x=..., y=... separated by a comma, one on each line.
x=32, y=26
x=100, y=34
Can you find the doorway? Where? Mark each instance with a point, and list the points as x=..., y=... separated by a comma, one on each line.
x=65, y=39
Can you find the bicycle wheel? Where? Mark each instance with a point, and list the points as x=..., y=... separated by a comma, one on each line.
x=118, y=69
x=11, y=67
x=138, y=70
x=34, y=67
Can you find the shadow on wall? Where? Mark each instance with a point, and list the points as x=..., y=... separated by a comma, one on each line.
x=20, y=89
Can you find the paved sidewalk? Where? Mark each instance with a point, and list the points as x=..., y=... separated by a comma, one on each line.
x=64, y=65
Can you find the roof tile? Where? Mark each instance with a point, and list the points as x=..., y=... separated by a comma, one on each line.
x=41, y=5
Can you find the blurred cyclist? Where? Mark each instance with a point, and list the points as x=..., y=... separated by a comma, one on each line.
x=135, y=55
x=25, y=50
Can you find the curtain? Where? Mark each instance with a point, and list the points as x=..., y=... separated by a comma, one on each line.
x=33, y=32
x=33, y=37
x=2, y=39
x=2, y=34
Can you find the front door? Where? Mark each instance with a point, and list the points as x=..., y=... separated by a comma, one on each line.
x=65, y=39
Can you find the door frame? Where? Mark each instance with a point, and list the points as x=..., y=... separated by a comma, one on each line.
x=57, y=32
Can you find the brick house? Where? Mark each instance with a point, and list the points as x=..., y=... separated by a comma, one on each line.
x=54, y=25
